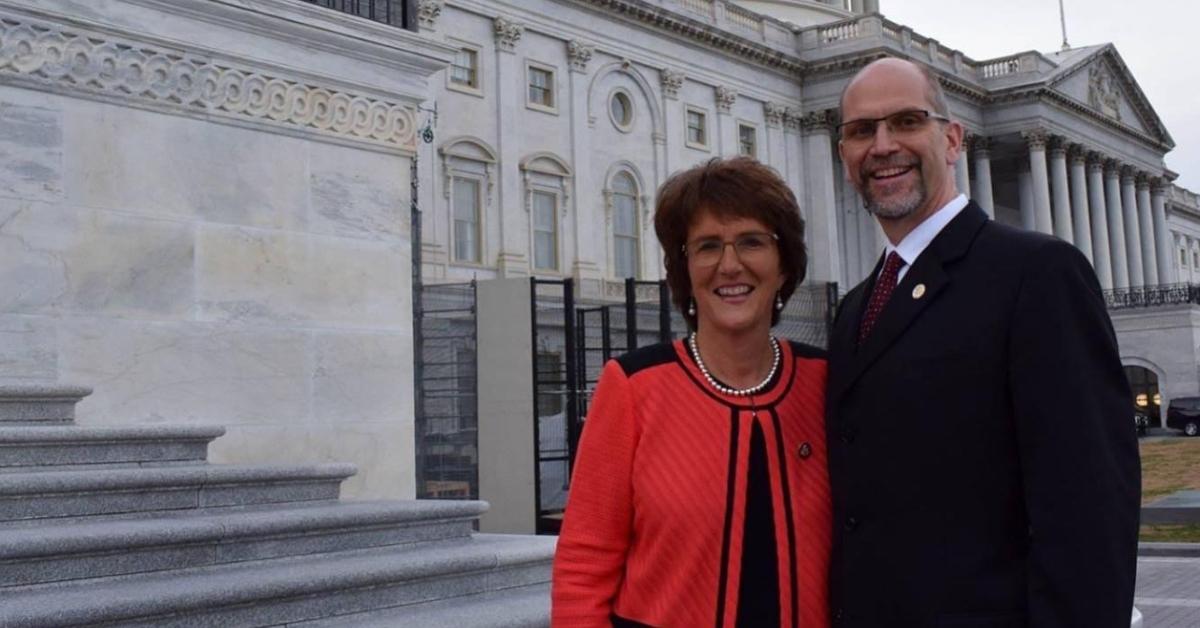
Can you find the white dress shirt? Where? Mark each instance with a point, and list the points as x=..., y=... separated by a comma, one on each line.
x=917, y=240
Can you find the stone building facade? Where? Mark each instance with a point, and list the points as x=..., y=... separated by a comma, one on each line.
x=1065, y=143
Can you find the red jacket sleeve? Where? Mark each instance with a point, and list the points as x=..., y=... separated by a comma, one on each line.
x=597, y=526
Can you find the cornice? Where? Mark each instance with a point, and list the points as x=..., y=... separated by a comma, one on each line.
x=100, y=65
x=707, y=34
x=1046, y=94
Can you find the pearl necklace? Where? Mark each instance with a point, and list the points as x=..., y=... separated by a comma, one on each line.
x=735, y=392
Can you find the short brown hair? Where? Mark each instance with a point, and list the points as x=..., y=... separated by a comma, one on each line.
x=738, y=187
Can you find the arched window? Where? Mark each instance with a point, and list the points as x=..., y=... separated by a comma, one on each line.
x=467, y=165
x=624, y=194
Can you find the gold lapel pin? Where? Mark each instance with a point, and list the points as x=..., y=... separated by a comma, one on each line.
x=919, y=291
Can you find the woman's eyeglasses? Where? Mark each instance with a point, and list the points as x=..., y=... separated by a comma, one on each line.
x=749, y=247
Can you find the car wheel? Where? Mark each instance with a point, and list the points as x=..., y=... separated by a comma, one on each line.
x=1191, y=428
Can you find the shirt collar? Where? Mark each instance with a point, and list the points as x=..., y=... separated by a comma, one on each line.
x=917, y=240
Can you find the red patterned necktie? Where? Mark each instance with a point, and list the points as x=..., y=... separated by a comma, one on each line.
x=880, y=295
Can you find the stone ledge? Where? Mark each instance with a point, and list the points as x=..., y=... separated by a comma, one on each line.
x=40, y=403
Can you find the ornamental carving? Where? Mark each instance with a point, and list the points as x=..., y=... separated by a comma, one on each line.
x=579, y=54
x=980, y=146
x=1077, y=153
x=1103, y=95
x=792, y=118
x=815, y=121
x=428, y=12
x=1035, y=139
x=672, y=80
x=726, y=97
x=774, y=113
x=171, y=80
x=508, y=33
x=1058, y=146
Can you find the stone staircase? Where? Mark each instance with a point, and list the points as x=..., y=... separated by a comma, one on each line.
x=130, y=526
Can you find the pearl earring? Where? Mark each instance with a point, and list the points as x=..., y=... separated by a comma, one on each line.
x=778, y=301
x=691, y=307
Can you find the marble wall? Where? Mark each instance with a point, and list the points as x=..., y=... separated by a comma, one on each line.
x=249, y=270
x=1165, y=340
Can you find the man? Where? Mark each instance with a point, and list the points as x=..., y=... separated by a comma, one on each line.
x=983, y=465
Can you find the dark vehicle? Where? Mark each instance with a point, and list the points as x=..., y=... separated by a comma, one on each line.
x=1141, y=422
x=1184, y=414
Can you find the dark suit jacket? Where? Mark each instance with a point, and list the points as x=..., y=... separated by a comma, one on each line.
x=982, y=452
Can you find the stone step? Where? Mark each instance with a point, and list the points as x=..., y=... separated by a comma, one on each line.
x=41, y=448
x=39, y=404
x=280, y=591
x=53, y=552
x=521, y=607
x=50, y=494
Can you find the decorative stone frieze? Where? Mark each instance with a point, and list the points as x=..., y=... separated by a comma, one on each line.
x=579, y=54
x=672, y=80
x=428, y=12
x=822, y=121
x=49, y=56
x=1103, y=95
x=774, y=113
x=1035, y=139
x=726, y=97
x=508, y=33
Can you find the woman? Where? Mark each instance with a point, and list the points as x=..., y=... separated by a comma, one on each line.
x=700, y=496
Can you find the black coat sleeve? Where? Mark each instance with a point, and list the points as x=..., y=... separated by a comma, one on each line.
x=1072, y=411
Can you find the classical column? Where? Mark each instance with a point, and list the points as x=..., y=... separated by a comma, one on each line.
x=822, y=207
x=1061, y=196
x=1116, y=228
x=1165, y=247
x=1082, y=225
x=1025, y=194
x=513, y=257
x=1036, y=141
x=727, y=126
x=983, y=174
x=1146, y=228
x=1101, y=250
x=962, y=177
x=1133, y=234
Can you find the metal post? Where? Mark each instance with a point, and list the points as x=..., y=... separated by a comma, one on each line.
x=418, y=333
x=630, y=314
x=573, y=387
x=664, y=312
x=605, y=333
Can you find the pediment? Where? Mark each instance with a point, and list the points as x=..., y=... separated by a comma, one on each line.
x=1103, y=84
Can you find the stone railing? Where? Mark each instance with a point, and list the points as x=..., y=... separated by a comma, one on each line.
x=841, y=31
x=1000, y=67
x=1184, y=196
x=703, y=7
x=1153, y=296
x=743, y=19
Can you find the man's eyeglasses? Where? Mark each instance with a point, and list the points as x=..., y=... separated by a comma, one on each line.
x=899, y=123
x=750, y=247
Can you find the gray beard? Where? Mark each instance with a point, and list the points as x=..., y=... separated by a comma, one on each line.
x=898, y=208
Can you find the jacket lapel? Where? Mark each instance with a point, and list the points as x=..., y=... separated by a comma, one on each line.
x=905, y=305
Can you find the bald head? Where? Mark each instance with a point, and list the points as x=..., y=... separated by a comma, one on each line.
x=901, y=67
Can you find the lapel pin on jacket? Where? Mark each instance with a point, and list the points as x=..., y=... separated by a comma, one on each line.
x=919, y=291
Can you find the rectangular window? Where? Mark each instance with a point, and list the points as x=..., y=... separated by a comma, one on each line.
x=545, y=230
x=697, y=128
x=747, y=140
x=541, y=87
x=466, y=220
x=464, y=70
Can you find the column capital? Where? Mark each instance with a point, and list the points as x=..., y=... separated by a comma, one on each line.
x=428, y=12
x=1127, y=174
x=1058, y=146
x=817, y=121
x=672, y=80
x=980, y=146
x=508, y=33
x=1142, y=179
x=1035, y=139
x=792, y=118
x=1158, y=186
x=1077, y=153
x=1112, y=167
x=726, y=97
x=579, y=54
x=1095, y=161
x=774, y=113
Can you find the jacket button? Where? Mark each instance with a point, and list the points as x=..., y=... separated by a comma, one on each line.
x=837, y=615
x=851, y=523
x=848, y=434
x=805, y=450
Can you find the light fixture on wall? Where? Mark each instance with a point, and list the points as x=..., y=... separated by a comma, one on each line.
x=430, y=122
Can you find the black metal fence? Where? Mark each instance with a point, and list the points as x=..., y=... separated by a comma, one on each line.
x=1153, y=296
x=398, y=13
x=447, y=407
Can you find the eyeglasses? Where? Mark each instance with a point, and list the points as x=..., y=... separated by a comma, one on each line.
x=904, y=122
x=750, y=247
